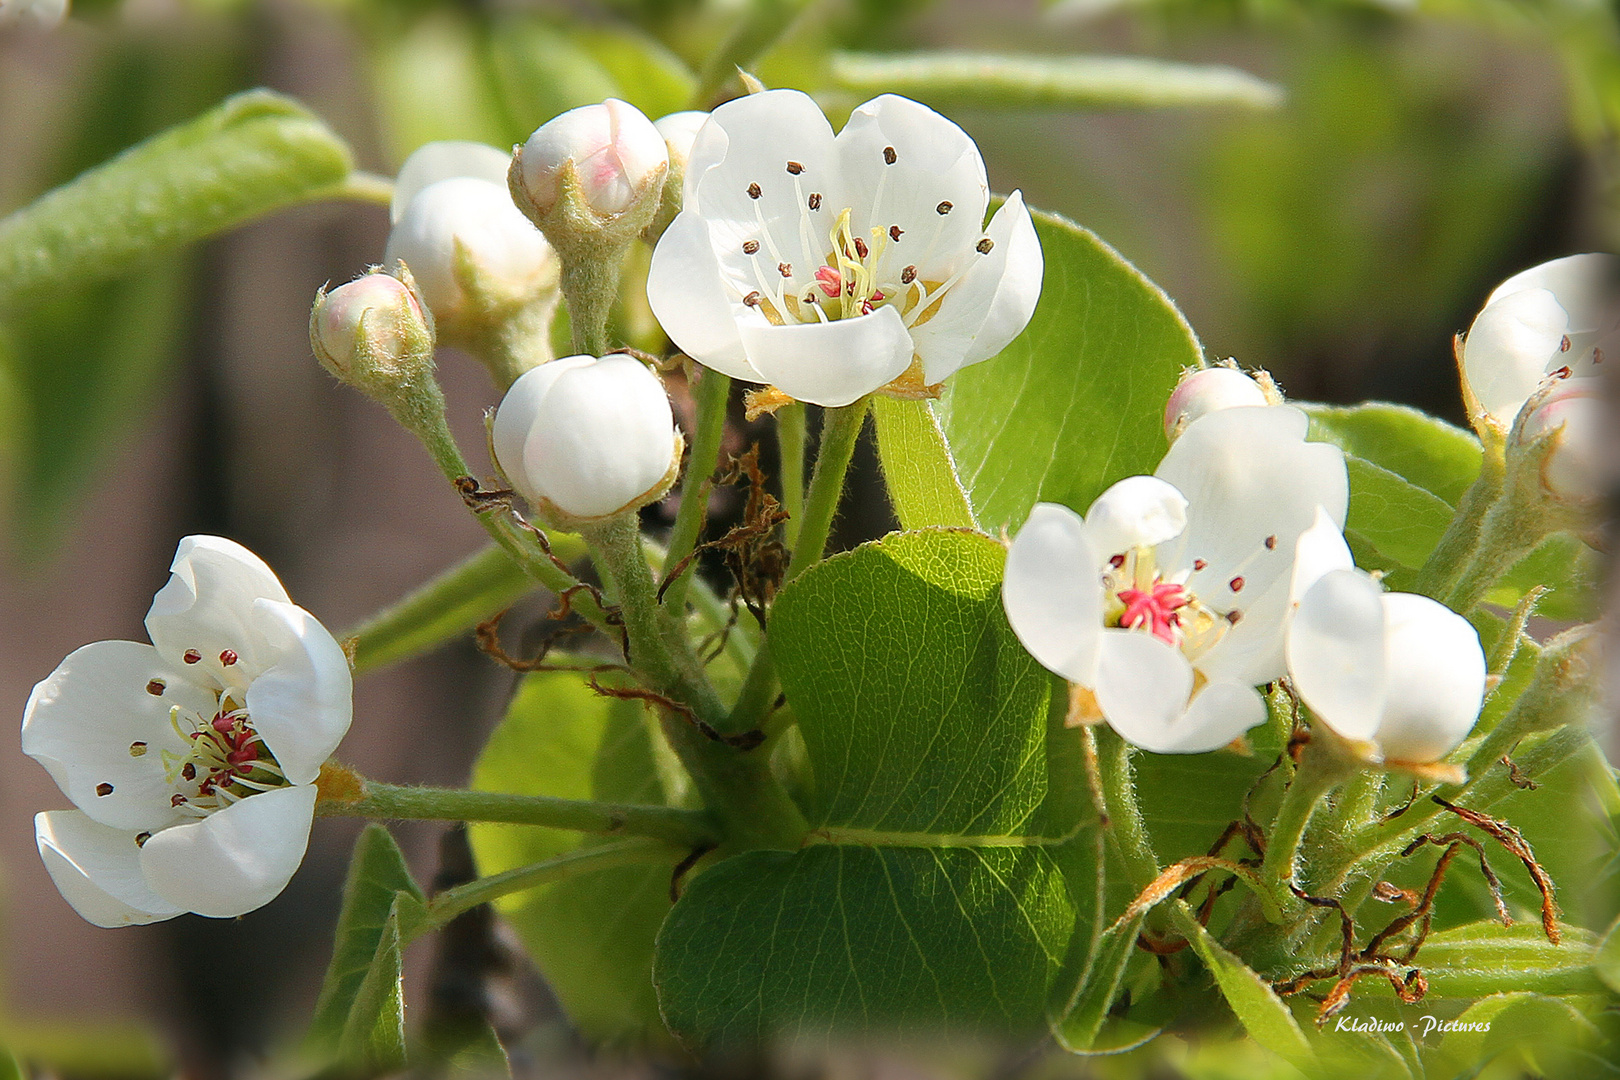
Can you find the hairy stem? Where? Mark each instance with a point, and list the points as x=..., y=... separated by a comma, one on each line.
x=710, y=395
x=1126, y=827
x=1456, y=548
x=790, y=447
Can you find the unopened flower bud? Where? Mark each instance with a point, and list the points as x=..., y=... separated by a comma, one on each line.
x=608, y=156
x=680, y=132
x=1572, y=417
x=583, y=439
x=371, y=331
x=1207, y=390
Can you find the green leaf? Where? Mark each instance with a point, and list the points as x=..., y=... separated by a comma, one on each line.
x=929, y=904
x=377, y=872
x=1430, y=453
x=591, y=936
x=255, y=153
x=1077, y=400
x=648, y=76
x=374, y=1033
x=1488, y=958
x=1393, y=517
x=950, y=79
x=863, y=939
x=918, y=471
x=1606, y=961
x=448, y=606
x=1085, y=1012
x=1547, y=1026
x=1257, y=1006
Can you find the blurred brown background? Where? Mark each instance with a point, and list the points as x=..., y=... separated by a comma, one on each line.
x=1423, y=153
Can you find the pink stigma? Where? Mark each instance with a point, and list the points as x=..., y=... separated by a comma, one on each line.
x=1154, y=610
x=830, y=280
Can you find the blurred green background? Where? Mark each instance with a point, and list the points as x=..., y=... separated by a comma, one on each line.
x=1334, y=215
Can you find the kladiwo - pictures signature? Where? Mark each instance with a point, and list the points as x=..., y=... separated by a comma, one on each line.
x=1423, y=1027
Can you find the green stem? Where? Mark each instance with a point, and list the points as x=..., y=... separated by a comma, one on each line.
x=1317, y=774
x=736, y=785
x=1126, y=827
x=358, y=186
x=1452, y=554
x=690, y=828
x=712, y=393
x=452, y=902
x=589, y=287
x=790, y=446
x=1508, y=534
x=840, y=429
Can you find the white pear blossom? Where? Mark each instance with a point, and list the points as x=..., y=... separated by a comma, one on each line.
x=589, y=437
x=613, y=148
x=830, y=266
x=1208, y=389
x=1400, y=672
x=457, y=229
x=1555, y=317
x=1168, y=600
x=680, y=132
x=192, y=760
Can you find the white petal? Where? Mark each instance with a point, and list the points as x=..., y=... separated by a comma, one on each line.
x=680, y=130
x=515, y=417
x=1436, y=679
x=935, y=164
x=1251, y=652
x=1582, y=283
x=83, y=719
x=1253, y=485
x=1138, y=511
x=1336, y=653
x=832, y=363
x=1053, y=592
x=992, y=303
x=435, y=161
x=603, y=435
x=97, y=870
x=690, y=300
x=206, y=609
x=1510, y=348
x=1142, y=687
x=1320, y=548
x=302, y=704
x=1217, y=714
x=233, y=861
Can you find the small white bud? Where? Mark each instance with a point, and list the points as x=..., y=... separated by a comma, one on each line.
x=615, y=152
x=470, y=249
x=589, y=438
x=680, y=131
x=370, y=331
x=1207, y=390
x=435, y=161
x=1572, y=416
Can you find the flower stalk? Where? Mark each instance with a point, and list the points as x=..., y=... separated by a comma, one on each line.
x=710, y=395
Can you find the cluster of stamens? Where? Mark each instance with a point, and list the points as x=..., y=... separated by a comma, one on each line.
x=1139, y=597
x=846, y=281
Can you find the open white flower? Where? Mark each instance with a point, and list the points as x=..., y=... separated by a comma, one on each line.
x=1168, y=600
x=1400, y=672
x=1545, y=319
x=192, y=760
x=829, y=266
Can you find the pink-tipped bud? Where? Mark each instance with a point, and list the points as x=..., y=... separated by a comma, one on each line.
x=1208, y=390
x=1573, y=416
x=368, y=328
x=616, y=153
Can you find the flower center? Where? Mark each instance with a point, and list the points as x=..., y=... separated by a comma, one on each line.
x=1137, y=596
x=1156, y=610
x=847, y=275
x=227, y=760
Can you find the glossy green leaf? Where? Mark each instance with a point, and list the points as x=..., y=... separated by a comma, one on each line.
x=591, y=936
x=1488, y=958
x=1430, y=453
x=377, y=872
x=931, y=904
x=1392, y=516
x=978, y=80
x=918, y=470
x=255, y=153
x=450, y=605
x=374, y=1032
x=1077, y=400
x=1257, y=1006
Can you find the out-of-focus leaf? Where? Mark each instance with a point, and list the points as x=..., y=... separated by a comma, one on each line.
x=449, y=605
x=1077, y=1029
x=1606, y=961
x=255, y=153
x=1549, y=1028
x=377, y=872
x=434, y=82
x=1261, y=1011
x=924, y=722
x=374, y=1032
x=80, y=1047
x=647, y=75
x=1077, y=400
x=541, y=70
x=591, y=936
x=947, y=79
x=1486, y=958
x=918, y=471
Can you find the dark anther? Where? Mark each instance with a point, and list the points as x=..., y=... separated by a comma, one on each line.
x=104, y=789
x=1233, y=616
x=1271, y=543
x=228, y=657
x=753, y=191
x=983, y=246
x=156, y=687
x=860, y=248
x=750, y=246
x=142, y=838
x=1199, y=564
x=908, y=275
x=192, y=656
x=795, y=168
x=785, y=269
x=752, y=299
x=815, y=200
x=944, y=207
x=810, y=297
x=895, y=232
x=888, y=155
x=1116, y=561
x=137, y=749
x=1236, y=584
x=188, y=772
